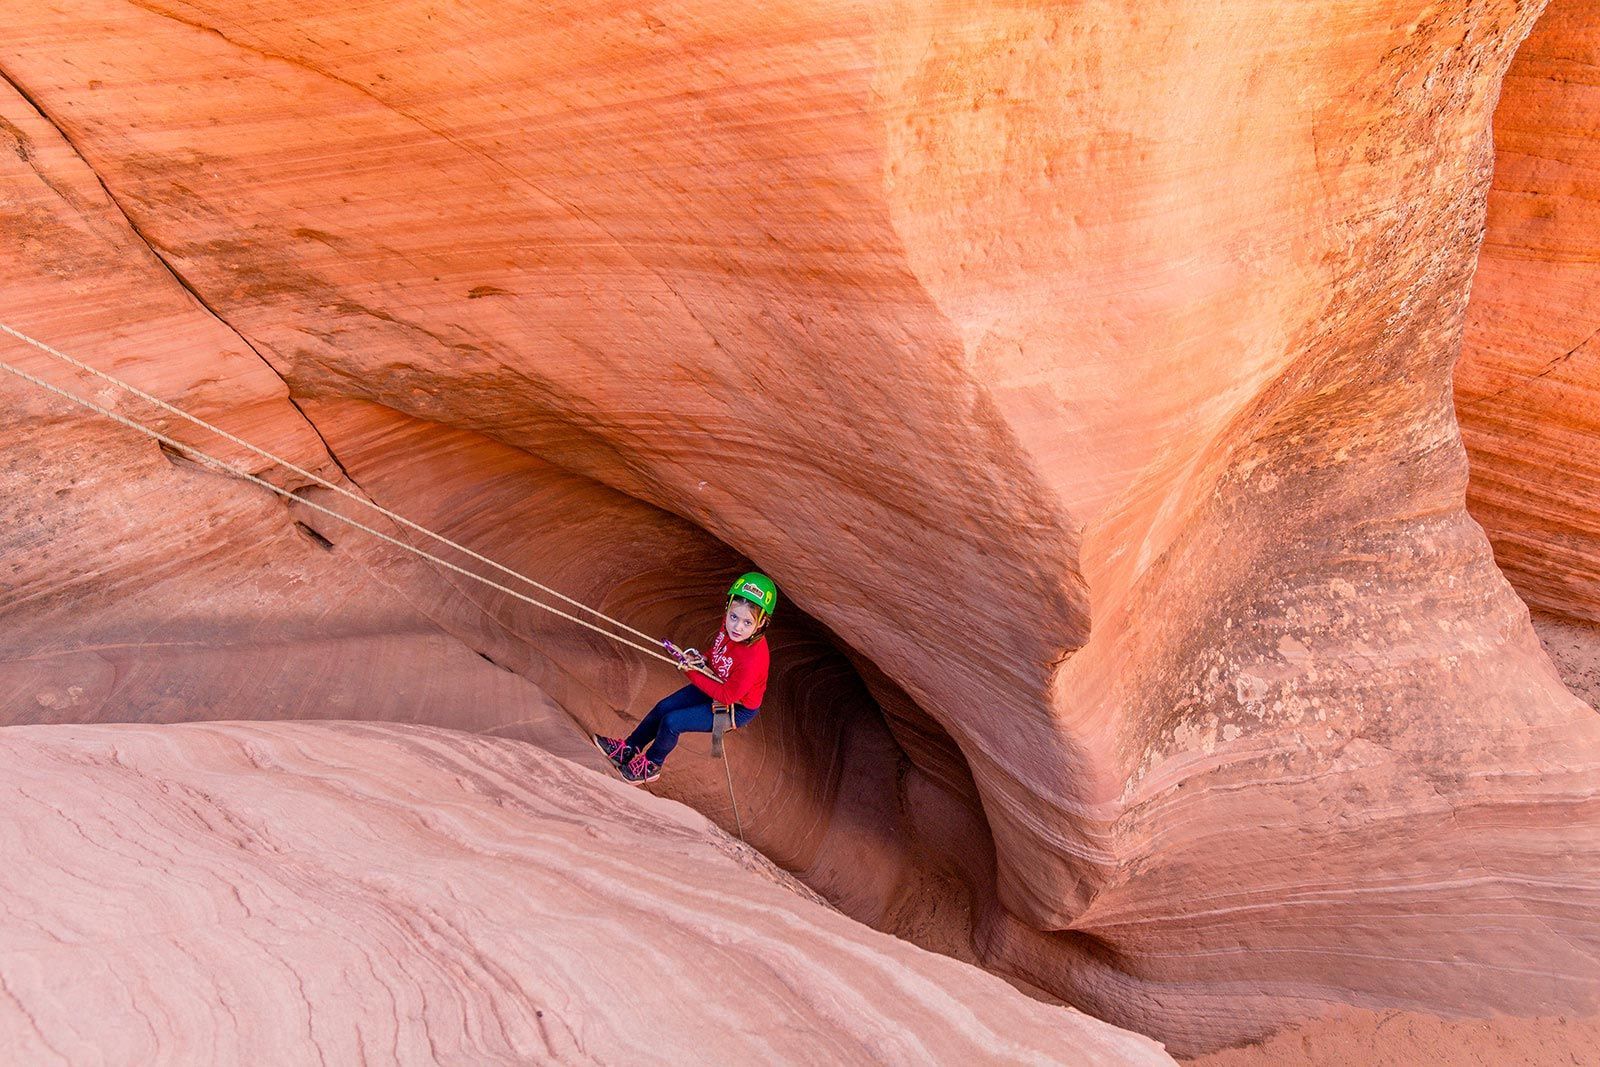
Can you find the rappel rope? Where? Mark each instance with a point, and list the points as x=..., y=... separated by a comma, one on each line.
x=727, y=769
x=286, y=465
x=225, y=467
x=677, y=658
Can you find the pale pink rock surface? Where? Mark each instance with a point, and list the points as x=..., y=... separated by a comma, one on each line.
x=339, y=892
x=1084, y=371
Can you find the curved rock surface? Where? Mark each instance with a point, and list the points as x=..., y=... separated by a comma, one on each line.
x=138, y=585
x=818, y=774
x=296, y=892
x=1528, y=385
x=1083, y=372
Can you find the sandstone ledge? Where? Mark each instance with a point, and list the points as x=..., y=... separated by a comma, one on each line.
x=278, y=893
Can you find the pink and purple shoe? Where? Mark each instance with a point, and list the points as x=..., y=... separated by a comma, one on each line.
x=641, y=769
x=614, y=749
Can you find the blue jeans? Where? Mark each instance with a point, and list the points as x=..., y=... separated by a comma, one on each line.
x=685, y=712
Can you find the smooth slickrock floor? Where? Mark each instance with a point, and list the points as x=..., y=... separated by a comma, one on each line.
x=347, y=892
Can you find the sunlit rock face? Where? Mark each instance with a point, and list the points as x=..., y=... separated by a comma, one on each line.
x=1082, y=371
x=1528, y=385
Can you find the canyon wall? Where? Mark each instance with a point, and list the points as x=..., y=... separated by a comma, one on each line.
x=1082, y=374
x=1528, y=385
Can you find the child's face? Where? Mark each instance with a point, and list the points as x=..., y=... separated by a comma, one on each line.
x=740, y=620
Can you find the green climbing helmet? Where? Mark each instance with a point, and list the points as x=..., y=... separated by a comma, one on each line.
x=757, y=589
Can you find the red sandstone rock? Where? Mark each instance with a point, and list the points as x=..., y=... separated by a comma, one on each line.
x=286, y=892
x=1528, y=385
x=818, y=775
x=140, y=586
x=1085, y=373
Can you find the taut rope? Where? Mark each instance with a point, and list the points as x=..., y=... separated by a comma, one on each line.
x=211, y=461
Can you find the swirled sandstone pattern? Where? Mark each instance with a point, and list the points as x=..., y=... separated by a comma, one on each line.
x=342, y=893
x=1083, y=371
x=1528, y=386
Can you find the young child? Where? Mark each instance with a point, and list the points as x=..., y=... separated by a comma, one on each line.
x=739, y=655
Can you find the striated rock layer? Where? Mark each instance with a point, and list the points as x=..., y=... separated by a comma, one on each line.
x=137, y=584
x=1083, y=372
x=291, y=892
x=818, y=774
x=1528, y=385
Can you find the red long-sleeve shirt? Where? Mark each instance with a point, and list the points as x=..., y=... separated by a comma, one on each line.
x=743, y=666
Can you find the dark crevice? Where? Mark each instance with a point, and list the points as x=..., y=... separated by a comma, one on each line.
x=181, y=459
x=314, y=536
x=496, y=663
x=326, y=447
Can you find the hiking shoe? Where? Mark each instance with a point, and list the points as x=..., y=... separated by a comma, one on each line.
x=641, y=769
x=615, y=749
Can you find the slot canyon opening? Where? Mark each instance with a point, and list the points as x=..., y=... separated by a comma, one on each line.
x=842, y=779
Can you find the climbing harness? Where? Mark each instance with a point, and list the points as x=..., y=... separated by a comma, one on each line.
x=209, y=460
x=721, y=722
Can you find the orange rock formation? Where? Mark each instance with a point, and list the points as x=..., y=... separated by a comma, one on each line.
x=1528, y=386
x=1082, y=372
